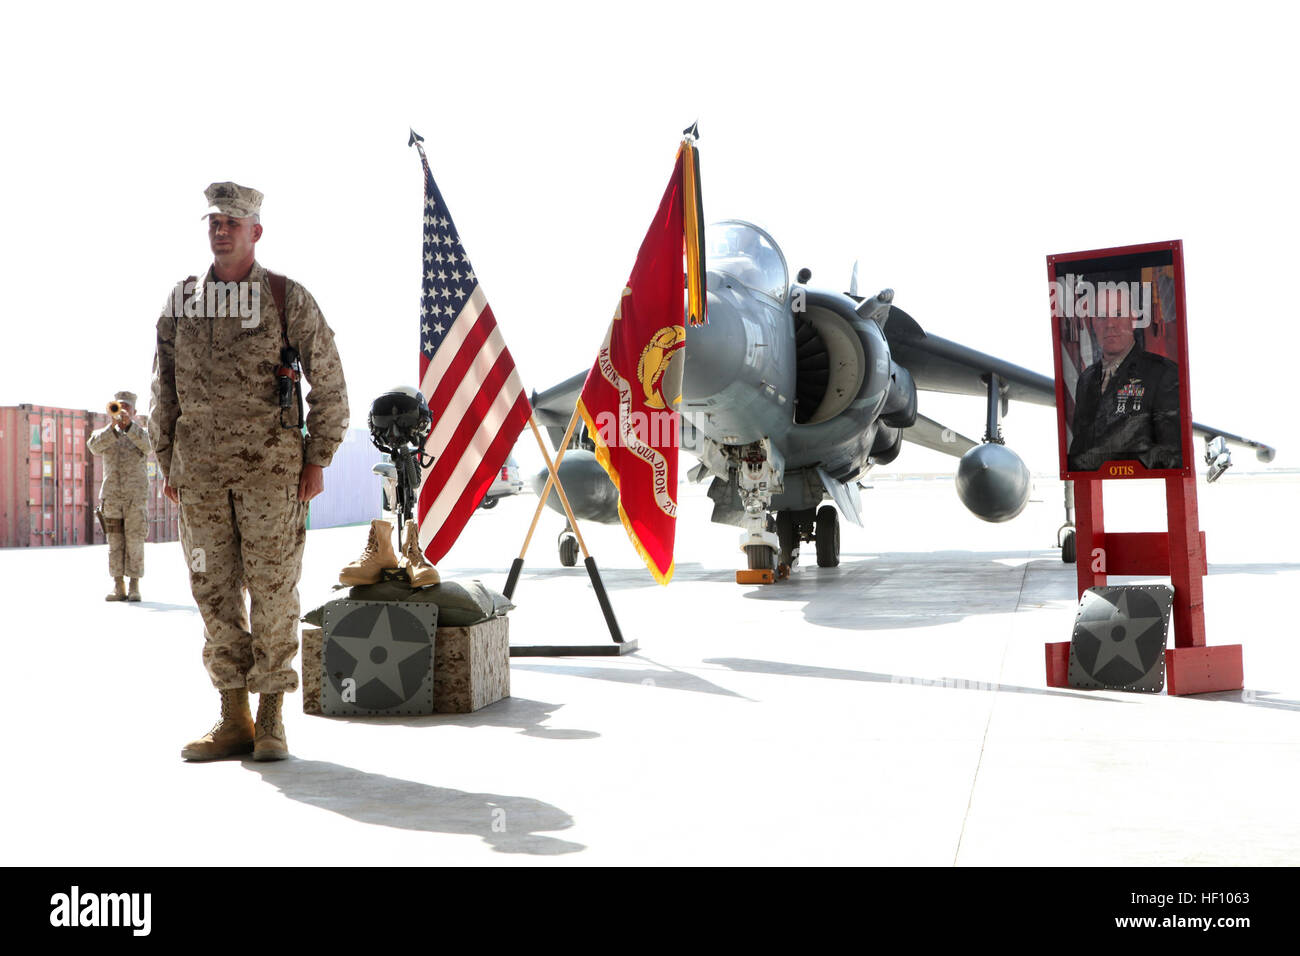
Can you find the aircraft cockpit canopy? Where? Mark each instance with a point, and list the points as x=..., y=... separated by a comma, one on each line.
x=747, y=254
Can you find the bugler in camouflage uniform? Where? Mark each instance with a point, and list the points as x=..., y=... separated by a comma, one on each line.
x=124, y=496
x=242, y=477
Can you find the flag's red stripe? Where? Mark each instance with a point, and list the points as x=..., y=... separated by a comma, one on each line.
x=450, y=456
x=482, y=479
x=455, y=372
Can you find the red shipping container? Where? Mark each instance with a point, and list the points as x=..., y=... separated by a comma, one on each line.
x=49, y=480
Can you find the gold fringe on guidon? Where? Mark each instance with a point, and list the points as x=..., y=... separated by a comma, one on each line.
x=693, y=228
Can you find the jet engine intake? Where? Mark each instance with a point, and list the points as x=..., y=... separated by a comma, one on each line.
x=900, y=406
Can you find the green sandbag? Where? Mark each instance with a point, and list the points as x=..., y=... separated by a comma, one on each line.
x=459, y=605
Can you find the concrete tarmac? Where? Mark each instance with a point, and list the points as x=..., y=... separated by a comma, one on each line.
x=890, y=711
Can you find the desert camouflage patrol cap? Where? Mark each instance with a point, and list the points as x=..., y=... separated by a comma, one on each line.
x=232, y=199
x=124, y=396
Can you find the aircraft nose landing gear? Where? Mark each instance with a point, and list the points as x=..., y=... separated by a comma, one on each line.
x=757, y=480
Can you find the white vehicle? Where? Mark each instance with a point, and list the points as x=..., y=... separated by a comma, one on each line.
x=508, y=482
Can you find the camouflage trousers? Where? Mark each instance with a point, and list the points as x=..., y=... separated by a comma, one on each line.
x=237, y=541
x=126, y=547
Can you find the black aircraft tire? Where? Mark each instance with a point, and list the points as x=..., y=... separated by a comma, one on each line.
x=827, y=535
x=488, y=503
x=568, y=551
x=760, y=557
x=1067, y=548
x=787, y=532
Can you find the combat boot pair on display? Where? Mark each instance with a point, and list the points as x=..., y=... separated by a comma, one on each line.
x=236, y=734
x=120, y=592
x=379, y=556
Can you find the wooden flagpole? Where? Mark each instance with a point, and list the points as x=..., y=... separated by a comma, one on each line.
x=552, y=476
x=620, y=646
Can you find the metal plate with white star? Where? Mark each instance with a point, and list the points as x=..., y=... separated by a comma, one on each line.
x=377, y=658
x=1119, y=638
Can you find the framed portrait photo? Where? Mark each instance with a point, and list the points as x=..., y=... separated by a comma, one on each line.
x=1119, y=339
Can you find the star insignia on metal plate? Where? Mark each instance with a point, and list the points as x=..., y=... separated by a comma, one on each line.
x=1119, y=638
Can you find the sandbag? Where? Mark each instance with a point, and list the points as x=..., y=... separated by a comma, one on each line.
x=459, y=605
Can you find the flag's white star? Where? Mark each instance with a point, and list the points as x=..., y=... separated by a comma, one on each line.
x=438, y=328
x=429, y=275
x=442, y=276
x=444, y=222
x=430, y=203
x=460, y=293
x=455, y=277
x=469, y=276
x=424, y=328
x=438, y=258
x=428, y=346
x=449, y=310
x=428, y=257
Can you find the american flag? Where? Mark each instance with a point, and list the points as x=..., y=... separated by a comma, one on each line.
x=468, y=377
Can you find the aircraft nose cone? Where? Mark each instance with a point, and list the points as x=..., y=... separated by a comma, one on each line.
x=715, y=353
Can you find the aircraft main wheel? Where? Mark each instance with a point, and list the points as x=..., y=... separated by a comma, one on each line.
x=787, y=532
x=1067, y=548
x=488, y=503
x=761, y=557
x=827, y=534
x=568, y=550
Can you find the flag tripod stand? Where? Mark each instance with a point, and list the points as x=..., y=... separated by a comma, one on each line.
x=619, y=645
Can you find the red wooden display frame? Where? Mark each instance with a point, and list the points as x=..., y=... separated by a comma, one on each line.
x=1191, y=667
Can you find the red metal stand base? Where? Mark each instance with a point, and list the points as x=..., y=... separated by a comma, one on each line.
x=1200, y=670
x=1058, y=664
x=1190, y=666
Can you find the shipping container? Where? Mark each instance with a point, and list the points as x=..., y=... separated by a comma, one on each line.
x=352, y=494
x=49, y=480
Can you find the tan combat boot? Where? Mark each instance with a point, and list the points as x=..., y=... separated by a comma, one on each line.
x=231, y=736
x=417, y=566
x=378, y=555
x=119, y=591
x=134, y=593
x=270, y=742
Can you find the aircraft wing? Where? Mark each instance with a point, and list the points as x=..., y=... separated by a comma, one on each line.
x=940, y=365
x=930, y=434
x=555, y=405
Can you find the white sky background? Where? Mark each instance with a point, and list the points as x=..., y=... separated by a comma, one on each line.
x=949, y=148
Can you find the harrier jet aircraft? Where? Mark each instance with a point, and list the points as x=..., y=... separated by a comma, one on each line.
x=791, y=394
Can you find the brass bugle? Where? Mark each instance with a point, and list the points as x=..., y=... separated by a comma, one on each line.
x=114, y=408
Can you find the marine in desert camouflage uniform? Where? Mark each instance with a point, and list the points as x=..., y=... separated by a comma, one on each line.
x=124, y=496
x=242, y=478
